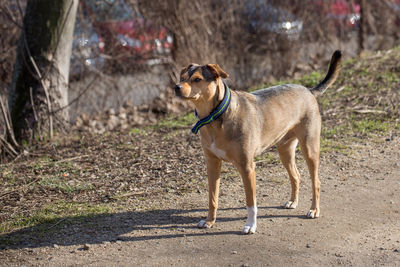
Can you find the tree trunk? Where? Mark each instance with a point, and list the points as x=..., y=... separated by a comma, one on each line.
x=39, y=91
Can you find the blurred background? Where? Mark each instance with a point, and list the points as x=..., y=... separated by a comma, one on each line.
x=127, y=53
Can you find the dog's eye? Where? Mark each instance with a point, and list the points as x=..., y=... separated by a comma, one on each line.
x=181, y=80
x=197, y=80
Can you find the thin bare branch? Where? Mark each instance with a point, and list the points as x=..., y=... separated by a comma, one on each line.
x=33, y=104
x=9, y=128
x=20, y=188
x=81, y=93
x=6, y=10
x=8, y=146
x=45, y=88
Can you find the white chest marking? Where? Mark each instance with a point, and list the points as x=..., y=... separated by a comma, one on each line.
x=217, y=152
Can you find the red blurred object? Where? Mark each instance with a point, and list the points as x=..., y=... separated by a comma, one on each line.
x=343, y=13
x=126, y=34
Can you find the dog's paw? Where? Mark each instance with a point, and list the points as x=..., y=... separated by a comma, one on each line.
x=204, y=224
x=251, y=223
x=290, y=205
x=313, y=213
x=249, y=229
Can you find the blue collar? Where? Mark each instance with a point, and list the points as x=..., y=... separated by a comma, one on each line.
x=216, y=113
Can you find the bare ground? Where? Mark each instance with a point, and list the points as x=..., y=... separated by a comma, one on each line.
x=359, y=225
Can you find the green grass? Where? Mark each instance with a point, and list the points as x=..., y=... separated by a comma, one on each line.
x=339, y=137
x=52, y=214
x=310, y=80
x=172, y=122
x=331, y=145
x=367, y=125
x=390, y=77
x=177, y=122
x=268, y=158
x=64, y=184
x=138, y=131
x=9, y=178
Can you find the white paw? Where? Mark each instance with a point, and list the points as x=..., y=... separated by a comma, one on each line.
x=290, y=205
x=249, y=229
x=251, y=223
x=203, y=224
x=312, y=214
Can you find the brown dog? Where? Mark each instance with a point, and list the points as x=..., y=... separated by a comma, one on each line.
x=237, y=126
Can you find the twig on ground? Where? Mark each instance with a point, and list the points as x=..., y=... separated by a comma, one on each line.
x=70, y=159
x=20, y=188
x=364, y=111
x=260, y=161
x=61, y=220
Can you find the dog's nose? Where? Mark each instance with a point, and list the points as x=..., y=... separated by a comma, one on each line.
x=177, y=88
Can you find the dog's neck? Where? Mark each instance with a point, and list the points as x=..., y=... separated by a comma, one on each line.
x=205, y=107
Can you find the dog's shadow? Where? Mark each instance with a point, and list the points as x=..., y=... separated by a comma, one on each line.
x=136, y=225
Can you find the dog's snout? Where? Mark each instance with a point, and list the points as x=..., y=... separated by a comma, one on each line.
x=178, y=89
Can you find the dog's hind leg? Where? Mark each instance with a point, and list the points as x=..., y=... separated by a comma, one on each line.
x=246, y=169
x=213, y=171
x=287, y=153
x=310, y=145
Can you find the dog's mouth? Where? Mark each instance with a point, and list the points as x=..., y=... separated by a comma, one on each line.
x=179, y=94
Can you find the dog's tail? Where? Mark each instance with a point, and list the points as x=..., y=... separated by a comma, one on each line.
x=330, y=78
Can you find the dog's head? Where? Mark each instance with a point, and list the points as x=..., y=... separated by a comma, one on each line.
x=201, y=82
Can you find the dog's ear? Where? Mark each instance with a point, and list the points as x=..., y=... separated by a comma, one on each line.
x=220, y=90
x=183, y=70
x=217, y=71
x=187, y=68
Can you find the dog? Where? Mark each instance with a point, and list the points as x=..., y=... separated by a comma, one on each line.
x=236, y=126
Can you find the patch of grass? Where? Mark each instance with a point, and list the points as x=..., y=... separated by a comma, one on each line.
x=7, y=175
x=229, y=172
x=177, y=122
x=170, y=135
x=331, y=145
x=367, y=125
x=60, y=183
x=40, y=163
x=337, y=138
x=337, y=131
x=310, y=80
x=268, y=158
x=138, y=131
x=53, y=213
x=391, y=77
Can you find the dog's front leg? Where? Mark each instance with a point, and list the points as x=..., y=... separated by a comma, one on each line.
x=213, y=172
x=247, y=171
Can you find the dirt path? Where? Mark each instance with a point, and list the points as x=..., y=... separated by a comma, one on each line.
x=359, y=224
